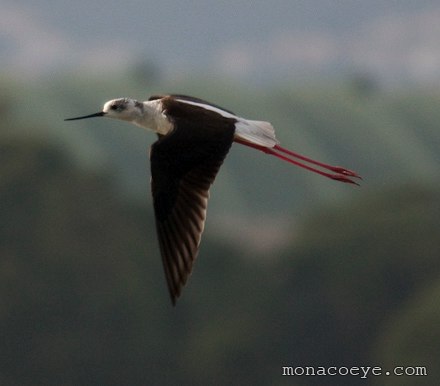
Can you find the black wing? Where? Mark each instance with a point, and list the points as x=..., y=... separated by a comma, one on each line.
x=189, y=99
x=184, y=164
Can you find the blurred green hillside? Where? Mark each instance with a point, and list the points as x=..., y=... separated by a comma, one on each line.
x=294, y=269
x=384, y=135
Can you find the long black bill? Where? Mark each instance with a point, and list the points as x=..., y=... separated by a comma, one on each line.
x=100, y=114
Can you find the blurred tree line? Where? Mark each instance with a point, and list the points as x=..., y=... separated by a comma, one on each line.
x=83, y=299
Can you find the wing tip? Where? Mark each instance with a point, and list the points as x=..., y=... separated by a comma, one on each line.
x=175, y=293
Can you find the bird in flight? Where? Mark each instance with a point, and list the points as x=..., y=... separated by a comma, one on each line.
x=194, y=139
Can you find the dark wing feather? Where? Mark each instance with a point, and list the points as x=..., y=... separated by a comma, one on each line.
x=184, y=164
x=189, y=99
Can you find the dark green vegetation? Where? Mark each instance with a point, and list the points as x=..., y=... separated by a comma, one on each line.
x=354, y=282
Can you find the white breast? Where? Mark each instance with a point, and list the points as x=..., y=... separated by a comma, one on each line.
x=154, y=118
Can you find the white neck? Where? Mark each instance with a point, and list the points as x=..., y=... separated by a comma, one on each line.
x=153, y=118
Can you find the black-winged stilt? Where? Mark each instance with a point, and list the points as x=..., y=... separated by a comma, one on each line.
x=194, y=139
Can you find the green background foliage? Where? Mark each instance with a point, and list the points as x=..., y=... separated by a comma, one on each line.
x=294, y=270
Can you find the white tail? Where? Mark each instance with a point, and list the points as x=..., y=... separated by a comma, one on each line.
x=258, y=132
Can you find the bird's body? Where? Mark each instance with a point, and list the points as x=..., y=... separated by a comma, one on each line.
x=194, y=139
x=159, y=114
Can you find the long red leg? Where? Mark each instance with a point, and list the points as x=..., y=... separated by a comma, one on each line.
x=340, y=173
x=336, y=169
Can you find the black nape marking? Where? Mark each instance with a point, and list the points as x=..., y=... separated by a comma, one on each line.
x=139, y=105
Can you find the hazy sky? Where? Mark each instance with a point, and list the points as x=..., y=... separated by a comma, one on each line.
x=238, y=38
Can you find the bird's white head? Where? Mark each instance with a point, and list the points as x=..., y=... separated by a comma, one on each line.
x=125, y=109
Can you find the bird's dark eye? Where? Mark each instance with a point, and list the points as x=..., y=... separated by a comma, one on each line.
x=113, y=107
